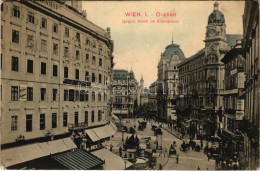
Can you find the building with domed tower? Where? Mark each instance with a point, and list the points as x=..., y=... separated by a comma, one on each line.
x=167, y=82
x=202, y=75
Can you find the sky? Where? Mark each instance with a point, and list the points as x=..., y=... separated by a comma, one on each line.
x=139, y=45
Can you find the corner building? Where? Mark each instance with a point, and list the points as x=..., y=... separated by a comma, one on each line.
x=201, y=77
x=166, y=83
x=48, y=49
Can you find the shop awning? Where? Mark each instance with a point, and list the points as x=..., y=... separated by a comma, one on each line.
x=92, y=135
x=101, y=132
x=16, y=155
x=112, y=161
x=78, y=159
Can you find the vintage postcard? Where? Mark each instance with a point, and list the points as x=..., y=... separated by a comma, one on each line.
x=129, y=85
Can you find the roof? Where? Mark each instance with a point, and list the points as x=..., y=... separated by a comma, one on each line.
x=216, y=16
x=120, y=74
x=78, y=159
x=173, y=49
x=235, y=51
x=13, y=156
x=232, y=39
x=112, y=161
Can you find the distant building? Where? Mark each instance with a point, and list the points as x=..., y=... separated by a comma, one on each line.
x=167, y=82
x=201, y=76
x=251, y=54
x=234, y=83
x=152, y=98
x=125, y=93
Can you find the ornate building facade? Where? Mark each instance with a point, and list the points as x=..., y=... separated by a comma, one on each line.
x=167, y=82
x=52, y=58
x=251, y=54
x=125, y=93
x=201, y=76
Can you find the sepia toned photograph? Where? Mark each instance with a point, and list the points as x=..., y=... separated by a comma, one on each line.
x=129, y=85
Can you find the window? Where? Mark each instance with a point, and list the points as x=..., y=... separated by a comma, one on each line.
x=67, y=32
x=15, y=36
x=29, y=66
x=29, y=94
x=78, y=36
x=1, y=60
x=55, y=70
x=30, y=41
x=99, y=115
x=100, y=78
x=28, y=123
x=43, y=94
x=43, y=68
x=86, y=117
x=54, y=120
x=93, y=77
x=2, y=7
x=66, y=72
x=14, y=123
x=100, y=62
x=86, y=76
x=16, y=11
x=93, y=96
x=65, y=119
x=31, y=17
x=44, y=23
x=76, y=74
x=66, y=51
x=44, y=45
x=86, y=95
x=55, y=48
x=99, y=96
x=42, y=121
x=82, y=96
x=77, y=54
x=55, y=28
x=87, y=57
x=93, y=60
x=93, y=116
x=15, y=64
x=71, y=95
x=2, y=31
x=76, y=117
x=14, y=93
x=77, y=95
x=54, y=94
x=66, y=95
x=87, y=42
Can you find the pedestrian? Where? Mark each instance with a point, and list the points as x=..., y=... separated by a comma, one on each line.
x=177, y=159
x=160, y=166
x=111, y=147
x=165, y=151
x=198, y=168
x=207, y=169
x=208, y=156
x=120, y=151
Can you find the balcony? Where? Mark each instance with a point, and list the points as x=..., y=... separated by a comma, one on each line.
x=77, y=126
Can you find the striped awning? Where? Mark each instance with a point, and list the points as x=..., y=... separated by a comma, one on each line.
x=92, y=135
x=78, y=159
x=25, y=153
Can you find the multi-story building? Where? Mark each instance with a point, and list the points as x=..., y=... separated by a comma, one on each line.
x=234, y=80
x=167, y=81
x=201, y=75
x=251, y=54
x=152, y=101
x=125, y=93
x=52, y=60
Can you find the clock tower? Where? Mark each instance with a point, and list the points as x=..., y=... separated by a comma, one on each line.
x=215, y=40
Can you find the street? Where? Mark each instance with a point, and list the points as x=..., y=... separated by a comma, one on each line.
x=189, y=160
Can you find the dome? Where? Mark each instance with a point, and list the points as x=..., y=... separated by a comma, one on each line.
x=172, y=50
x=216, y=16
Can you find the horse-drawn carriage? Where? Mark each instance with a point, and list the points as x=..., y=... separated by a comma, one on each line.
x=142, y=126
x=172, y=152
